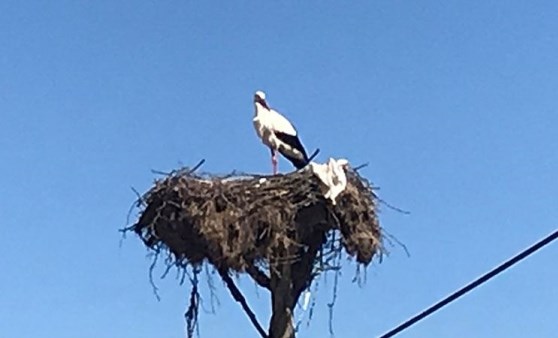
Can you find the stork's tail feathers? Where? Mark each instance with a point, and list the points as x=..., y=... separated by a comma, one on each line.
x=297, y=157
x=298, y=163
x=314, y=154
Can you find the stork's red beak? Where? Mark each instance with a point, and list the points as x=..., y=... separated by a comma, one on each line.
x=260, y=101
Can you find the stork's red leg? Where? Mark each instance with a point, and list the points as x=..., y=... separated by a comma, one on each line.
x=274, y=161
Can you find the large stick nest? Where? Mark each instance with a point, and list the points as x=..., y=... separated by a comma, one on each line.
x=237, y=222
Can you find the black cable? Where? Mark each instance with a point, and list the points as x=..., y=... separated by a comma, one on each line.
x=484, y=278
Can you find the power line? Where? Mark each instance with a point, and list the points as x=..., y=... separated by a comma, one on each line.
x=484, y=278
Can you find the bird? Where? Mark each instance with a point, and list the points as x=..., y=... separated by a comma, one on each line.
x=278, y=134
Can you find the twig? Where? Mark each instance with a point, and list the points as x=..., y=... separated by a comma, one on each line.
x=153, y=171
x=213, y=299
x=258, y=276
x=392, y=239
x=192, y=313
x=167, y=270
x=405, y=212
x=184, y=275
x=237, y=295
x=334, y=299
x=140, y=200
x=197, y=166
x=358, y=278
x=364, y=165
x=183, y=170
x=137, y=203
x=126, y=229
x=151, y=268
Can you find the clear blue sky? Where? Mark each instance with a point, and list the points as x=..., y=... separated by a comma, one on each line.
x=453, y=103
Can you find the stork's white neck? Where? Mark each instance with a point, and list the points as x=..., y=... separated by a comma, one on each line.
x=260, y=109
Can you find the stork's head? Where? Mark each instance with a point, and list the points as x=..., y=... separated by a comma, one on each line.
x=259, y=97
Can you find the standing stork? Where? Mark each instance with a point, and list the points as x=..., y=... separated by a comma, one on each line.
x=278, y=134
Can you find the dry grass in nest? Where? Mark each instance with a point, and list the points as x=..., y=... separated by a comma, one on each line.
x=240, y=221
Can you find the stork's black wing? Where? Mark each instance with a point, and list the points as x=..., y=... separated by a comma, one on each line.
x=294, y=142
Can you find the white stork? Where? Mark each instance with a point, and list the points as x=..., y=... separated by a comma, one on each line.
x=278, y=134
